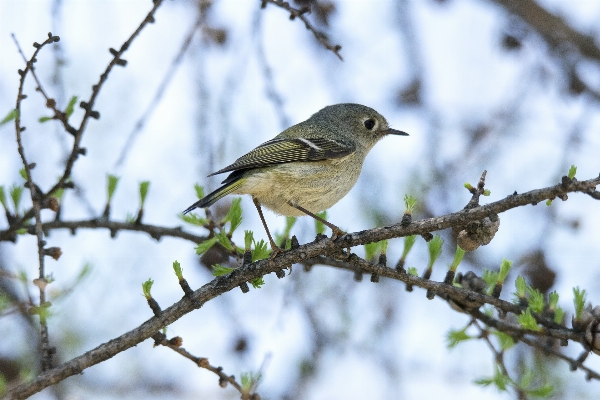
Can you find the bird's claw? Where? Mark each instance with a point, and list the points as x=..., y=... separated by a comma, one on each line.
x=336, y=233
x=275, y=251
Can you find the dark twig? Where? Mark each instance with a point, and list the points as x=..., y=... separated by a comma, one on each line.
x=477, y=192
x=463, y=217
x=89, y=112
x=156, y=232
x=484, y=333
x=88, y=106
x=299, y=13
x=50, y=102
x=202, y=362
x=47, y=350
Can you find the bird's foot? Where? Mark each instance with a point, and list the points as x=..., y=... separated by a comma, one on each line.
x=275, y=250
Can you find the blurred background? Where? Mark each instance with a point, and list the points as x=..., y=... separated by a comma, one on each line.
x=511, y=87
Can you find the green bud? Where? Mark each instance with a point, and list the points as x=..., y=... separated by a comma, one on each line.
x=260, y=251
x=234, y=215
x=579, y=297
x=143, y=192
x=527, y=320
x=199, y=191
x=71, y=106
x=454, y=337
x=435, y=249
x=257, y=282
x=113, y=180
x=504, y=270
x=219, y=270
x=12, y=114
x=248, y=238
x=521, y=287
x=146, y=287
x=3, y=197
x=206, y=245
x=16, y=192
x=458, y=256
x=178, y=270
x=409, y=241
x=409, y=203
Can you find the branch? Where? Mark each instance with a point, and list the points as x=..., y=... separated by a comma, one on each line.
x=89, y=113
x=89, y=105
x=474, y=214
x=202, y=362
x=156, y=232
x=37, y=201
x=296, y=13
x=331, y=248
x=50, y=102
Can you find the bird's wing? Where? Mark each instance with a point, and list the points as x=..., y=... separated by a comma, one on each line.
x=285, y=150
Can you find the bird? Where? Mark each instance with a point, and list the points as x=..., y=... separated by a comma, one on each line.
x=308, y=167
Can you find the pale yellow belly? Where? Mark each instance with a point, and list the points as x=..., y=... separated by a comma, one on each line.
x=315, y=186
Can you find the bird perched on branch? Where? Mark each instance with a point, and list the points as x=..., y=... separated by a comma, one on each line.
x=308, y=167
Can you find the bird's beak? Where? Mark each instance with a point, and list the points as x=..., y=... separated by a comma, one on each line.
x=391, y=131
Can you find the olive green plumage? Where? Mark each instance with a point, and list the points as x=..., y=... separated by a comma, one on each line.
x=312, y=164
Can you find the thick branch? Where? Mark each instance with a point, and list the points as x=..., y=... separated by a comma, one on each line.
x=327, y=247
x=474, y=214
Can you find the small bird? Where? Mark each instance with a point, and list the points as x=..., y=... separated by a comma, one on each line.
x=308, y=167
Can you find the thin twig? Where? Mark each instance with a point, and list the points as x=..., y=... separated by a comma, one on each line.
x=155, y=231
x=590, y=373
x=498, y=357
x=202, y=362
x=88, y=106
x=47, y=350
x=50, y=102
x=299, y=13
x=89, y=112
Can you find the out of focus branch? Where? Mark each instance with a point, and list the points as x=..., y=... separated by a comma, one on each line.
x=551, y=27
x=299, y=13
x=560, y=37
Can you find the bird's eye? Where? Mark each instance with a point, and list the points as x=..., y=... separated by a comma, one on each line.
x=369, y=124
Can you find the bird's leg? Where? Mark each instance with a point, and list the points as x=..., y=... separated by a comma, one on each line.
x=336, y=231
x=276, y=249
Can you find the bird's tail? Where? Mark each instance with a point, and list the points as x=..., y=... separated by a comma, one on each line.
x=212, y=197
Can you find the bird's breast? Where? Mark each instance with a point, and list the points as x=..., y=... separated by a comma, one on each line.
x=316, y=185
